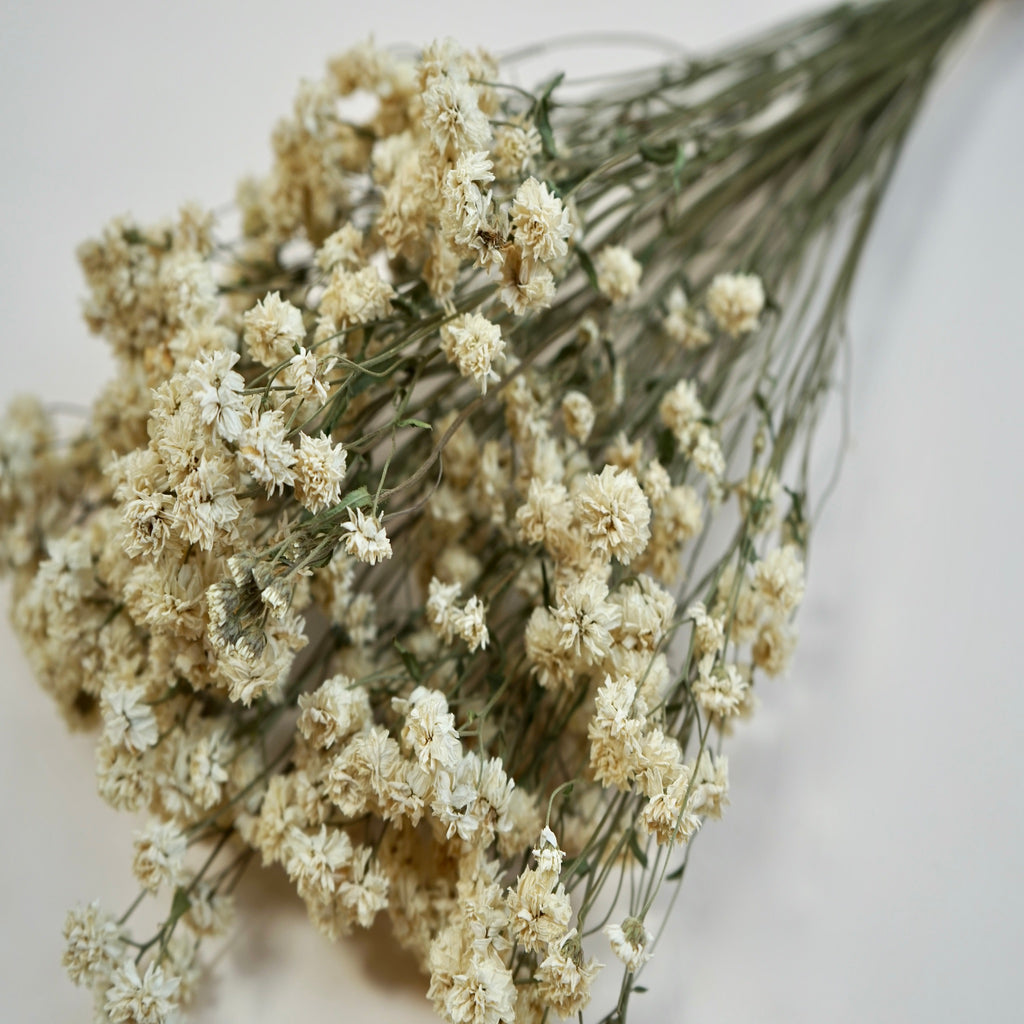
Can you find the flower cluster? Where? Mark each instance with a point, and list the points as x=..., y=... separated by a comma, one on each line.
x=409, y=538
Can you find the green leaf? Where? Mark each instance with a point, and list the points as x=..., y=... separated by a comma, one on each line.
x=666, y=445
x=180, y=905
x=355, y=499
x=541, y=118
x=634, y=846
x=674, y=876
x=580, y=865
x=545, y=584
x=412, y=665
x=747, y=551
x=662, y=154
x=677, y=169
x=587, y=265
x=414, y=423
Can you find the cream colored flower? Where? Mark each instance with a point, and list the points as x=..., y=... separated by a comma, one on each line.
x=273, y=330
x=472, y=344
x=129, y=720
x=614, y=514
x=630, y=942
x=779, y=579
x=578, y=414
x=149, y=999
x=93, y=944
x=515, y=145
x=540, y=221
x=736, y=301
x=564, y=978
x=159, y=857
x=319, y=470
x=618, y=273
x=366, y=539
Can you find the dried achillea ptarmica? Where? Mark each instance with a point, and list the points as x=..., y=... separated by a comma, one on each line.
x=436, y=529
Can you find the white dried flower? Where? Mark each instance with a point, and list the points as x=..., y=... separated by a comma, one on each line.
x=719, y=691
x=585, y=619
x=525, y=284
x=630, y=942
x=366, y=539
x=128, y=719
x=708, y=632
x=578, y=414
x=93, y=944
x=779, y=579
x=616, y=733
x=149, y=999
x=682, y=411
x=472, y=344
x=303, y=374
x=711, y=785
x=315, y=860
x=481, y=992
x=736, y=301
x=563, y=978
x=467, y=215
x=540, y=221
x=614, y=514
x=441, y=608
x=344, y=248
x=210, y=913
x=429, y=731
x=471, y=625
x=773, y=647
x=452, y=116
x=618, y=273
x=515, y=145
x=273, y=329
x=546, y=513
x=333, y=712
x=352, y=298
x=267, y=452
x=553, y=664
x=319, y=470
x=219, y=392
x=159, y=855
x=706, y=453
x=686, y=327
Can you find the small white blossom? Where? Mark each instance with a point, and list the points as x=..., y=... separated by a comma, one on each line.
x=366, y=539
x=159, y=857
x=540, y=221
x=128, y=719
x=267, y=452
x=93, y=944
x=578, y=414
x=614, y=514
x=149, y=999
x=618, y=273
x=319, y=470
x=470, y=624
x=472, y=344
x=736, y=301
x=273, y=328
x=779, y=579
x=441, y=608
x=219, y=392
x=630, y=942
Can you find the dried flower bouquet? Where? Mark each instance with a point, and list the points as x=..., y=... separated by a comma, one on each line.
x=447, y=510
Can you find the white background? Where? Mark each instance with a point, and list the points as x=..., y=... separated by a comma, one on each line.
x=869, y=866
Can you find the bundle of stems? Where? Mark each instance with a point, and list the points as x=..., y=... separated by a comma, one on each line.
x=445, y=513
